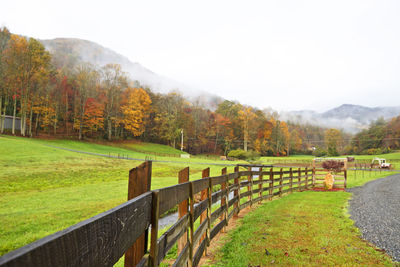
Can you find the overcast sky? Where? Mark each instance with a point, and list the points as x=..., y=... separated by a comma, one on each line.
x=288, y=55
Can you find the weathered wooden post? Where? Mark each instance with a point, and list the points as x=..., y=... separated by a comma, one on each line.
x=306, y=174
x=280, y=182
x=260, y=185
x=154, y=230
x=236, y=193
x=139, y=183
x=224, y=201
x=345, y=173
x=291, y=180
x=191, y=224
x=205, y=173
x=183, y=177
x=250, y=187
x=299, y=180
x=271, y=183
x=313, y=173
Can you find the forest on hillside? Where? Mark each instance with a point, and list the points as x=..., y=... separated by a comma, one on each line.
x=57, y=95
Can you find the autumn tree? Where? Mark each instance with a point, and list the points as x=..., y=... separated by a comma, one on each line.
x=4, y=93
x=135, y=109
x=87, y=79
x=113, y=81
x=333, y=140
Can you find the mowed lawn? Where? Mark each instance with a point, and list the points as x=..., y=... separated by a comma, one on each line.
x=45, y=189
x=302, y=229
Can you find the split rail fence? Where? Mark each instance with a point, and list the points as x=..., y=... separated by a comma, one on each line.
x=132, y=228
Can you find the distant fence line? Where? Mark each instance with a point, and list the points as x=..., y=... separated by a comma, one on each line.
x=103, y=239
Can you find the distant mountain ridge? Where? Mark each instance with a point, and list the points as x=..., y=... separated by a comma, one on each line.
x=75, y=51
x=87, y=51
x=350, y=118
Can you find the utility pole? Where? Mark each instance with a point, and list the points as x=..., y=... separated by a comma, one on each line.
x=181, y=139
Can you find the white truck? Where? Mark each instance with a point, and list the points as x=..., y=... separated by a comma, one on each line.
x=380, y=163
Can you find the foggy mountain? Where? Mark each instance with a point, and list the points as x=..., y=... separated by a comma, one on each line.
x=350, y=118
x=72, y=51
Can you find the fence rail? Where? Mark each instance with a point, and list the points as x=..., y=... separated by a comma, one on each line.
x=213, y=201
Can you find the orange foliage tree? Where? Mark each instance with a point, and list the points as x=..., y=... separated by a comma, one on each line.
x=135, y=109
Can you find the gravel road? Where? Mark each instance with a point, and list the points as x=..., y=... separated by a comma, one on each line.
x=375, y=208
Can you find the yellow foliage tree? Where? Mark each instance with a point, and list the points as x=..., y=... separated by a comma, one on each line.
x=135, y=109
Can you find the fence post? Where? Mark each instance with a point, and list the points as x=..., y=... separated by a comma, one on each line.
x=183, y=177
x=154, y=230
x=236, y=193
x=205, y=173
x=306, y=174
x=191, y=224
x=291, y=180
x=139, y=183
x=250, y=187
x=224, y=200
x=209, y=197
x=299, y=180
x=260, y=185
x=280, y=182
x=271, y=183
x=313, y=174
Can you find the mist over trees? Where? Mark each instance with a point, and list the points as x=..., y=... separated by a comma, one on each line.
x=59, y=96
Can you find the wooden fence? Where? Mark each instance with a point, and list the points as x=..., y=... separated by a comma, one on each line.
x=213, y=201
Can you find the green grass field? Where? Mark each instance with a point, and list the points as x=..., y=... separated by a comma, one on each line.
x=45, y=189
x=302, y=229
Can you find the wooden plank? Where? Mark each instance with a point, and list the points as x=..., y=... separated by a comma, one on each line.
x=232, y=176
x=250, y=186
x=236, y=193
x=245, y=194
x=98, y=241
x=183, y=207
x=183, y=257
x=191, y=226
x=200, y=184
x=173, y=195
x=217, y=213
x=217, y=195
x=231, y=214
x=204, y=197
x=199, y=232
x=217, y=229
x=155, y=214
x=245, y=173
x=170, y=237
x=218, y=179
x=199, y=253
x=233, y=201
x=280, y=182
x=244, y=183
x=257, y=199
x=244, y=205
x=260, y=186
x=256, y=191
x=139, y=183
x=271, y=184
x=233, y=187
x=144, y=262
x=224, y=198
x=199, y=210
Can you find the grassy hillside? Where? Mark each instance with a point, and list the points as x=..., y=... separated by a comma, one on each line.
x=301, y=229
x=45, y=189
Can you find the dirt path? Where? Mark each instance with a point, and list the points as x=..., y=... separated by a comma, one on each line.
x=375, y=208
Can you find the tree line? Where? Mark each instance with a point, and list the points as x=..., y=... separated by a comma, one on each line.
x=54, y=95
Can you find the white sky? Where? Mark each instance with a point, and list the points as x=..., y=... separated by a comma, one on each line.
x=288, y=55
